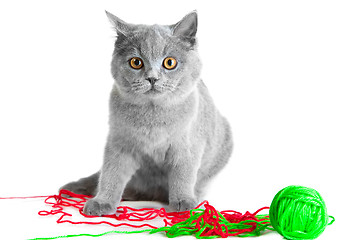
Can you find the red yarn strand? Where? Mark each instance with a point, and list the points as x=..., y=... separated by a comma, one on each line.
x=204, y=221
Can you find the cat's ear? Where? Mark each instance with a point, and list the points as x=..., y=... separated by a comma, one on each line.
x=186, y=28
x=122, y=28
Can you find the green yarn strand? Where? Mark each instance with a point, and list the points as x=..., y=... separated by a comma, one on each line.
x=90, y=235
x=187, y=227
x=332, y=220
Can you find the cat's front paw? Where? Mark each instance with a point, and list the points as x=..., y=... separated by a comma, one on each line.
x=183, y=204
x=96, y=207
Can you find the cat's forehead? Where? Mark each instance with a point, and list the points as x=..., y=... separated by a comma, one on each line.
x=152, y=41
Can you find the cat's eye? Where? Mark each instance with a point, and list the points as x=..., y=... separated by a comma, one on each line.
x=136, y=63
x=169, y=63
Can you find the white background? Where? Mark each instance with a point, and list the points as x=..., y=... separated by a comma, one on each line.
x=285, y=73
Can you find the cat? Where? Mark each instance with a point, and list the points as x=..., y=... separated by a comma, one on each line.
x=166, y=137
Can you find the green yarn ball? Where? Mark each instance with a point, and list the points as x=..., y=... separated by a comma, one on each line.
x=298, y=213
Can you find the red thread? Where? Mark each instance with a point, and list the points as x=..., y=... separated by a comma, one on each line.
x=23, y=197
x=127, y=215
x=123, y=213
x=211, y=217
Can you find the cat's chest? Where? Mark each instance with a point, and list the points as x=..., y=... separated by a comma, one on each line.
x=151, y=117
x=151, y=126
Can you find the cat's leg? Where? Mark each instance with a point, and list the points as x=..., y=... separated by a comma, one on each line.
x=117, y=170
x=184, y=163
x=86, y=186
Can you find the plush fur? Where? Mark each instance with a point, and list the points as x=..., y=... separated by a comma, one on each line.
x=166, y=138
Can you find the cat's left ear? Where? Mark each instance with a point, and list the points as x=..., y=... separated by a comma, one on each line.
x=122, y=28
x=186, y=28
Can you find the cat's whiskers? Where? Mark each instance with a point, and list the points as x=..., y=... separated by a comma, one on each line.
x=166, y=87
x=136, y=83
x=139, y=87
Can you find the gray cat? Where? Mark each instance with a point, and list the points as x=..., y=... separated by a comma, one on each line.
x=166, y=137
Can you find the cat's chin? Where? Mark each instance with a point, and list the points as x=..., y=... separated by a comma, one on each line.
x=153, y=92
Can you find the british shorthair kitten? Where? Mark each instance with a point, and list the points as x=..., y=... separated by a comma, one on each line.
x=166, y=138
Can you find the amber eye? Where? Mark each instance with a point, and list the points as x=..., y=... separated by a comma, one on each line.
x=169, y=63
x=136, y=63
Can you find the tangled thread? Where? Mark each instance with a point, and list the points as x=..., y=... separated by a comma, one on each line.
x=203, y=223
x=296, y=213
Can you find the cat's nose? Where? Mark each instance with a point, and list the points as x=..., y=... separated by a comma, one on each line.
x=152, y=80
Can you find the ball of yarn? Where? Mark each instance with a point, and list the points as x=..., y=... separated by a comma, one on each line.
x=298, y=213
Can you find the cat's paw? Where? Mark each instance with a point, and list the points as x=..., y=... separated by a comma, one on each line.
x=96, y=207
x=183, y=204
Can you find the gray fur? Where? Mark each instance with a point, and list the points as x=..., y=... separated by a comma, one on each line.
x=166, y=139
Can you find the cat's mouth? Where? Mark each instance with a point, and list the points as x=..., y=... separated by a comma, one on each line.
x=152, y=90
x=144, y=88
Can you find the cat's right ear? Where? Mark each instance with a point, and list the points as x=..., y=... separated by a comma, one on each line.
x=187, y=27
x=122, y=28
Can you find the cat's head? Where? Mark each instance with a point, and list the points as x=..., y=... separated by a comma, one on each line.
x=157, y=62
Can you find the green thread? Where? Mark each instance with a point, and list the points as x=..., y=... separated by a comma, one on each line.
x=90, y=235
x=299, y=213
x=187, y=227
x=296, y=213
